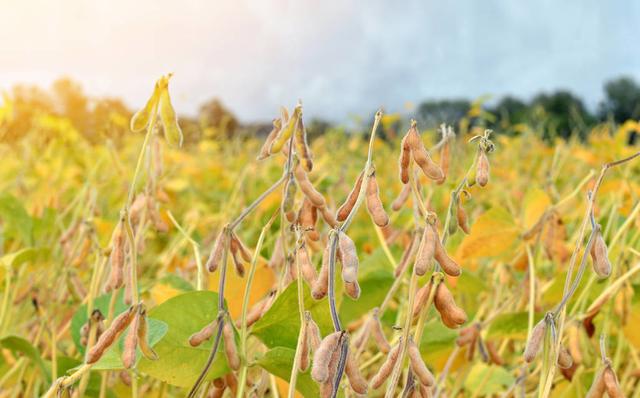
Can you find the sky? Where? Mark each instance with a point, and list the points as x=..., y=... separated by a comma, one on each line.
x=339, y=57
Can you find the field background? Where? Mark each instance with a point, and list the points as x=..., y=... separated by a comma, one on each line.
x=53, y=174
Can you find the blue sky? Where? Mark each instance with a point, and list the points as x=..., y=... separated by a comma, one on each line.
x=339, y=57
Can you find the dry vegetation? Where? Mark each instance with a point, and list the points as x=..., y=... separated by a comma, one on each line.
x=456, y=262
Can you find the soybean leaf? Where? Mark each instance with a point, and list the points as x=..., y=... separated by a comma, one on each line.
x=488, y=380
x=512, y=325
x=279, y=360
x=179, y=364
x=16, y=219
x=23, y=346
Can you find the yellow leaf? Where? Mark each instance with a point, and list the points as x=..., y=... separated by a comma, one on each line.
x=630, y=330
x=161, y=293
x=535, y=203
x=493, y=234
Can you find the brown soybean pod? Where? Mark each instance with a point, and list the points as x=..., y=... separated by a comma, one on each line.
x=117, y=258
x=356, y=381
x=322, y=356
x=451, y=314
x=304, y=262
x=405, y=159
x=461, y=217
x=255, y=313
x=328, y=216
x=352, y=289
x=428, y=166
x=402, y=198
x=264, y=151
x=245, y=253
x=422, y=296
x=347, y=206
x=217, y=252
x=374, y=204
x=599, y=255
x=564, y=358
x=326, y=388
x=304, y=348
x=387, y=366
x=449, y=266
x=145, y=348
x=349, y=256
x=307, y=188
x=131, y=342
x=611, y=384
x=307, y=218
x=535, y=341
x=378, y=334
x=230, y=348
x=302, y=147
x=203, y=335
x=321, y=284
x=418, y=366
x=426, y=251
x=597, y=387
x=482, y=169
x=313, y=331
x=107, y=338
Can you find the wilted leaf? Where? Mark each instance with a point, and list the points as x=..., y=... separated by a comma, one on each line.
x=535, y=203
x=492, y=235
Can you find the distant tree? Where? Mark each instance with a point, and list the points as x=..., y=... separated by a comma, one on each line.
x=564, y=113
x=622, y=100
x=216, y=119
x=431, y=114
x=510, y=111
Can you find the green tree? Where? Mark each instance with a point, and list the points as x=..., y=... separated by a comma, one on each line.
x=622, y=100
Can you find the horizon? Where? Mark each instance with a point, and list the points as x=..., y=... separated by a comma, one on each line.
x=245, y=55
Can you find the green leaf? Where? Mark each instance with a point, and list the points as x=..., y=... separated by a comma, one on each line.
x=23, y=346
x=488, y=380
x=374, y=285
x=279, y=361
x=512, y=325
x=280, y=325
x=179, y=363
x=437, y=336
x=16, y=219
x=22, y=256
x=470, y=283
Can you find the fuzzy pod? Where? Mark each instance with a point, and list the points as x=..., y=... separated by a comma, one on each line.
x=611, y=385
x=350, y=202
x=352, y=289
x=573, y=336
x=304, y=348
x=387, y=367
x=404, y=161
x=328, y=217
x=535, y=341
x=356, y=381
x=378, y=333
x=285, y=133
x=307, y=218
x=321, y=284
x=374, y=204
x=230, y=349
x=107, y=338
x=428, y=166
x=426, y=251
x=449, y=266
x=307, y=188
x=565, y=361
x=231, y=382
x=314, y=332
x=117, y=257
x=203, y=334
x=399, y=201
x=264, y=151
x=277, y=257
x=236, y=256
x=306, y=266
x=494, y=355
x=349, y=256
x=322, y=356
x=142, y=332
x=597, y=387
x=418, y=366
x=461, y=218
x=140, y=119
x=245, y=253
x=288, y=200
x=131, y=342
x=600, y=256
x=422, y=296
x=452, y=316
x=302, y=147
x=326, y=388
x=482, y=169
x=255, y=313
x=467, y=336
x=217, y=252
